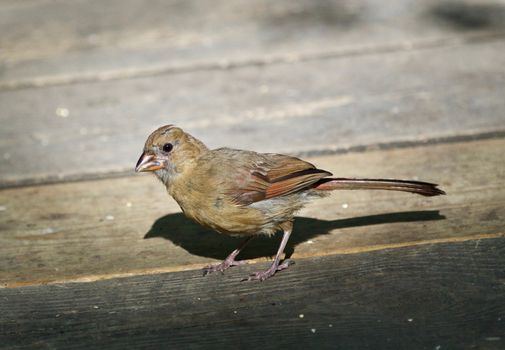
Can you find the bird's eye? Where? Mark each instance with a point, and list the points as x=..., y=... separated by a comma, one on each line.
x=167, y=147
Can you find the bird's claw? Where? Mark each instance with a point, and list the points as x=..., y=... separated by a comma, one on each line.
x=263, y=275
x=222, y=266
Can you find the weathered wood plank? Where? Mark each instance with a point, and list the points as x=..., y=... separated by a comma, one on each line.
x=99, y=229
x=346, y=102
x=446, y=296
x=118, y=38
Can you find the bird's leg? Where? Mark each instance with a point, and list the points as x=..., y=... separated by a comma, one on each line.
x=229, y=261
x=263, y=275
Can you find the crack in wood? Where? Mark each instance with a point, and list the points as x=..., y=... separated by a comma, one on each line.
x=399, y=144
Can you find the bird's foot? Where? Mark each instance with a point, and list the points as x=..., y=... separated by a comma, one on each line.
x=227, y=263
x=263, y=275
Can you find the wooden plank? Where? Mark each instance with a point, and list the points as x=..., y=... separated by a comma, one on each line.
x=119, y=38
x=347, y=102
x=446, y=296
x=101, y=229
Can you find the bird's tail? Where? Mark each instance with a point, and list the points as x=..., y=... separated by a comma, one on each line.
x=419, y=187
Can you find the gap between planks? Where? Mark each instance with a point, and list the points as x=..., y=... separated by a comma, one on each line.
x=345, y=251
x=309, y=153
x=132, y=73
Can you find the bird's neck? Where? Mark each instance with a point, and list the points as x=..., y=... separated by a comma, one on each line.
x=195, y=146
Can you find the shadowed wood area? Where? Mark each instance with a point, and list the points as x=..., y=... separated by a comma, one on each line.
x=92, y=230
x=445, y=296
x=117, y=39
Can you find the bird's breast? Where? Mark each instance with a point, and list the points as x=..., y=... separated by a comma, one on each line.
x=213, y=209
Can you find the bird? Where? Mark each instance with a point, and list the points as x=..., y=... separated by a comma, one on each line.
x=244, y=193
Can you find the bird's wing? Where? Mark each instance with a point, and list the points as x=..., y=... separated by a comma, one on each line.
x=273, y=175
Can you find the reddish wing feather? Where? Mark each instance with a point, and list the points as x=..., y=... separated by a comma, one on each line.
x=295, y=182
x=278, y=176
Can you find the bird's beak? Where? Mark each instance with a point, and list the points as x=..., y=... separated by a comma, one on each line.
x=148, y=162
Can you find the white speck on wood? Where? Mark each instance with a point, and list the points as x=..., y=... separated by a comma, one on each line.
x=493, y=338
x=47, y=231
x=62, y=112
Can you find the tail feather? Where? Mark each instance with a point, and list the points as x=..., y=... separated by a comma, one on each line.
x=419, y=187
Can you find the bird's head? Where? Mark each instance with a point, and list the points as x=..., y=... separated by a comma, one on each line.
x=169, y=152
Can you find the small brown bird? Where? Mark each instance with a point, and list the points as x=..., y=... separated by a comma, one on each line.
x=244, y=193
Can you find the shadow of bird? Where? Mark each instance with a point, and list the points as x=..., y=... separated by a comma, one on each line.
x=200, y=241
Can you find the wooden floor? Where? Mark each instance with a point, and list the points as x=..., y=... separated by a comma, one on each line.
x=95, y=256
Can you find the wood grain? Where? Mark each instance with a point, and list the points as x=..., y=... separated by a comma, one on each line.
x=82, y=83
x=446, y=296
x=347, y=102
x=105, y=228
